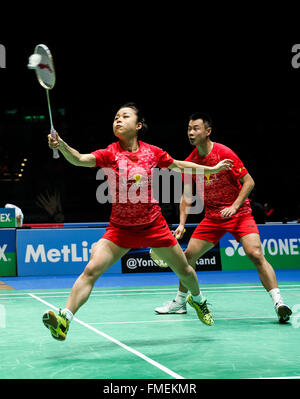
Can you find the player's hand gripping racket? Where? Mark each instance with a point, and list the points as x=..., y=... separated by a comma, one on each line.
x=42, y=62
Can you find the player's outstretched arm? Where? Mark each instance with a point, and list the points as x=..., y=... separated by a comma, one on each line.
x=71, y=155
x=192, y=168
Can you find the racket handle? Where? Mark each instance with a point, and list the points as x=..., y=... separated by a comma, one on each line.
x=178, y=235
x=55, y=152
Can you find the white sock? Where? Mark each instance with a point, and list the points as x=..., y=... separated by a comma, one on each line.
x=69, y=314
x=275, y=295
x=181, y=297
x=198, y=298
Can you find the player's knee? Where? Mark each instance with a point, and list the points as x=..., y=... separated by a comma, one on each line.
x=190, y=257
x=256, y=255
x=186, y=271
x=91, y=271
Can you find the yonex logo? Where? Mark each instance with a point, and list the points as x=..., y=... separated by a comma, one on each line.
x=272, y=246
x=133, y=263
x=2, y=253
x=230, y=251
x=4, y=217
x=45, y=66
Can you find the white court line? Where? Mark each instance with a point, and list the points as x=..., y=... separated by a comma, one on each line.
x=158, y=289
x=94, y=294
x=115, y=341
x=182, y=320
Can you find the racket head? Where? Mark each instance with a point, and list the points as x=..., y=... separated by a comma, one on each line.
x=45, y=70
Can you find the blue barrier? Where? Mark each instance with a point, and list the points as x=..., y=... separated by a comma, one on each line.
x=66, y=250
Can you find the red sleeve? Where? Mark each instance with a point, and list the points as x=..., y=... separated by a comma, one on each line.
x=163, y=158
x=238, y=170
x=104, y=158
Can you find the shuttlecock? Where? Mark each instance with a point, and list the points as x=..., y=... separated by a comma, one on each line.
x=34, y=61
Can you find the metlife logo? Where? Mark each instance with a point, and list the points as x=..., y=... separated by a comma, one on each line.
x=57, y=251
x=67, y=253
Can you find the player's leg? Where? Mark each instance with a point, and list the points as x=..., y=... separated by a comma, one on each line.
x=253, y=249
x=104, y=254
x=195, y=249
x=175, y=258
x=177, y=261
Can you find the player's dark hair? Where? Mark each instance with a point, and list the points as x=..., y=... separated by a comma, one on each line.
x=201, y=115
x=139, y=114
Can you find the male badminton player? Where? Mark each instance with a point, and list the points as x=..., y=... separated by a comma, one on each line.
x=227, y=209
x=132, y=224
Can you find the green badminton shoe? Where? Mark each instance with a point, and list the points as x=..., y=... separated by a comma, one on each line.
x=57, y=324
x=202, y=311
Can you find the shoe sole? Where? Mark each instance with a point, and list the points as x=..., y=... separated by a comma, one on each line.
x=50, y=321
x=177, y=312
x=284, y=313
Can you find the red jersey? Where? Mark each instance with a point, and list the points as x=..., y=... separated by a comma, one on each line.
x=129, y=176
x=221, y=189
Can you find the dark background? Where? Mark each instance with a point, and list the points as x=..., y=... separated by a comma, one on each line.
x=242, y=77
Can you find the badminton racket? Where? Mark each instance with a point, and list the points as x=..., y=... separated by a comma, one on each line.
x=42, y=62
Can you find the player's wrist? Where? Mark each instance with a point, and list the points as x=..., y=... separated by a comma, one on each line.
x=236, y=206
x=211, y=169
x=62, y=145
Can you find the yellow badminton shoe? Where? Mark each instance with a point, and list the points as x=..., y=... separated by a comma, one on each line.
x=57, y=324
x=283, y=312
x=202, y=311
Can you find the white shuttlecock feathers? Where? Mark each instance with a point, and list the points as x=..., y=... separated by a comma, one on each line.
x=34, y=61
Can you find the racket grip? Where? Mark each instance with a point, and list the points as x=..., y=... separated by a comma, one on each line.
x=177, y=236
x=55, y=152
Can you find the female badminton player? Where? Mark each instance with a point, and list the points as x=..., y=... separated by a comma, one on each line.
x=133, y=224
